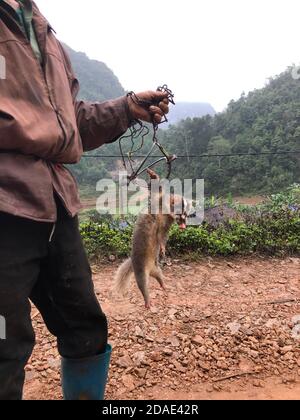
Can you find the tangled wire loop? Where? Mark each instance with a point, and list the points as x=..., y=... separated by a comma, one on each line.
x=139, y=131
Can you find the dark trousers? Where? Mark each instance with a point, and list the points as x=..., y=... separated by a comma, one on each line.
x=56, y=277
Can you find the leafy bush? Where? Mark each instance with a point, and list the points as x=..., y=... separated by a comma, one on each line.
x=272, y=233
x=290, y=199
x=276, y=233
x=101, y=239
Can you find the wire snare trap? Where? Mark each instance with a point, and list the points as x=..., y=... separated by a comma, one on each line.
x=138, y=132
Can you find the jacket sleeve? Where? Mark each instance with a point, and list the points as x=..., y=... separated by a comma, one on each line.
x=98, y=123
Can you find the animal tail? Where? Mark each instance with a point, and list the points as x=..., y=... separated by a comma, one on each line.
x=122, y=277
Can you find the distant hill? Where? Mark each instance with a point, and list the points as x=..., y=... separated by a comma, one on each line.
x=97, y=81
x=184, y=110
x=265, y=124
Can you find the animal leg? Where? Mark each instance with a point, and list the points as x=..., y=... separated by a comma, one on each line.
x=158, y=275
x=162, y=253
x=142, y=279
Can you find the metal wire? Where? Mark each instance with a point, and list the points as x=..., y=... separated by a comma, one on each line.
x=139, y=131
x=295, y=152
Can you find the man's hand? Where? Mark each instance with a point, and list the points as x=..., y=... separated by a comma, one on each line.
x=155, y=107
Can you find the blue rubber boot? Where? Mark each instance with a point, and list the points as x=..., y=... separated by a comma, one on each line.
x=85, y=379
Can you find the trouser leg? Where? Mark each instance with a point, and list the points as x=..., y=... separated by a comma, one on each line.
x=65, y=297
x=65, y=294
x=57, y=278
x=22, y=245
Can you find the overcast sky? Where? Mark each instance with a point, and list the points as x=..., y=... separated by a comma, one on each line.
x=207, y=51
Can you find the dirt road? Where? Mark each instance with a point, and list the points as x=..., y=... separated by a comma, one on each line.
x=227, y=329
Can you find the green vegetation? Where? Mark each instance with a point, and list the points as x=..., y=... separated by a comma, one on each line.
x=184, y=110
x=97, y=81
x=271, y=228
x=267, y=120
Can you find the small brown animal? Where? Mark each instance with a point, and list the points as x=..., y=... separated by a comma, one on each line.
x=148, y=245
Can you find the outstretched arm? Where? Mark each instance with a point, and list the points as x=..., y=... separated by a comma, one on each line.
x=105, y=122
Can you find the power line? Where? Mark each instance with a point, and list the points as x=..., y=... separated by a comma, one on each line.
x=295, y=152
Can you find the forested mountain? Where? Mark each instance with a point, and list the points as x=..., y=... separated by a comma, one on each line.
x=266, y=120
x=97, y=81
x=184, y=110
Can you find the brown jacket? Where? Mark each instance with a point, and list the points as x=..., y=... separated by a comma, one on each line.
x=42, y=125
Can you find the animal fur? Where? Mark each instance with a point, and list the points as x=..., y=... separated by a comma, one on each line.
x=148, y=245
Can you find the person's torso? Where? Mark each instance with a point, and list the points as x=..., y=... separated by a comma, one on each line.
x=37, y=114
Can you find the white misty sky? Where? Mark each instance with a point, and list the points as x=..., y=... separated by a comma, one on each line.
x=205, y=50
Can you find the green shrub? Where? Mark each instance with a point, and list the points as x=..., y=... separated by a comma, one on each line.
x=290, y=198
x=272, y=233
x=101, y=239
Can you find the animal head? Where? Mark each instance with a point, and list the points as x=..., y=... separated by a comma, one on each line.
x=179, y=210
x=174, y=205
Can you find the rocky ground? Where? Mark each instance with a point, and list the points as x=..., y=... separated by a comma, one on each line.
x=227, y=329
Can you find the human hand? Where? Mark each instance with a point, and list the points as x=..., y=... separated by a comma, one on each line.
x=149, y=106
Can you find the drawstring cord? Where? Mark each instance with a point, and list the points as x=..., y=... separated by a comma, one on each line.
x=52, y=232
